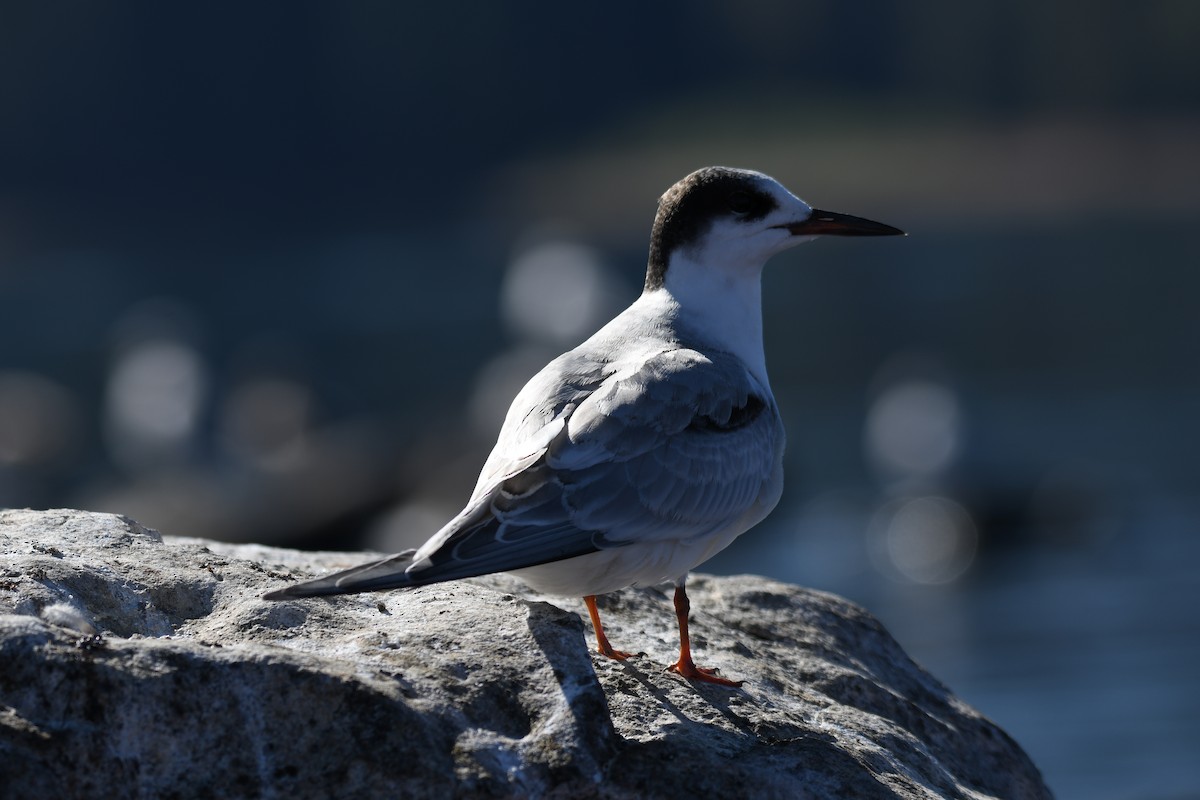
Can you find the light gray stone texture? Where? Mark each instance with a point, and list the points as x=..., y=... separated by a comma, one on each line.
x=139, y=665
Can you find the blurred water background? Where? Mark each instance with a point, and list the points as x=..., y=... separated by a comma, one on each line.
x=272, y=272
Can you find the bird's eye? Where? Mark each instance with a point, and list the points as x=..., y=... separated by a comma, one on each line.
x=741, y=202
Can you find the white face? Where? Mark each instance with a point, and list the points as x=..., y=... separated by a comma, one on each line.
x=722, y=220
x=753, y=226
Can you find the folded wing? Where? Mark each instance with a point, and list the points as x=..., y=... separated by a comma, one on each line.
x=596, y=455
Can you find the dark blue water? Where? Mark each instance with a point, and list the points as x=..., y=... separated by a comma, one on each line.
x=1074, y=365
x=1068, y=355
x=1085, y=654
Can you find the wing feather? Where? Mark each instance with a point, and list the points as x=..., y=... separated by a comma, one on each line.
x=670, y=444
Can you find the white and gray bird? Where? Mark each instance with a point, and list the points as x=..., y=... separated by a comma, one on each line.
x=647, y=449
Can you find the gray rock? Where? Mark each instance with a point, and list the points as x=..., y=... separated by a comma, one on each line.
x=137, y=665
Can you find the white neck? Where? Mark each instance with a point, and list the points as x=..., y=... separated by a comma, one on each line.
x=722, y=305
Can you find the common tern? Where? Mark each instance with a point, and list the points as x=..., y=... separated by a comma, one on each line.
x=647, y=449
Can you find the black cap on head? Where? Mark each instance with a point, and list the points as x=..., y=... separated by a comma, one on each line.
x=689, y=207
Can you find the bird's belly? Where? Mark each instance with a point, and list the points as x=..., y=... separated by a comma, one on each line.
x=651, y=561
x=640, y=564
x=645, y=563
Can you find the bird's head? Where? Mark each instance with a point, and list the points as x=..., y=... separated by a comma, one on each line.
x=735, y=219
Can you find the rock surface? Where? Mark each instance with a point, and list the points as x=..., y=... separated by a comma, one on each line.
x=137, y=665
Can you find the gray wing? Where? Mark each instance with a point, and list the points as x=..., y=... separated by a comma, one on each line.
x=671, y=445
x=681, y=447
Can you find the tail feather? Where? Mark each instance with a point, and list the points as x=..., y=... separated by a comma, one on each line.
x=387, y=573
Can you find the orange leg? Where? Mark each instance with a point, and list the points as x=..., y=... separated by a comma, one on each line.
x=685, y=666
x=602, y=644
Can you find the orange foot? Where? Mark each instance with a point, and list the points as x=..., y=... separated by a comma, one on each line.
x=693, y=673
x=616, y=655
x=602, y=645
